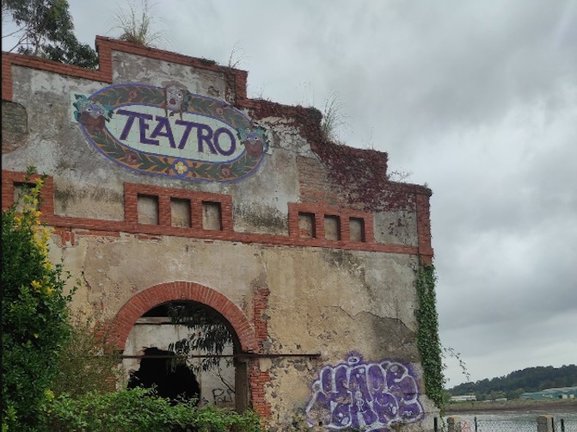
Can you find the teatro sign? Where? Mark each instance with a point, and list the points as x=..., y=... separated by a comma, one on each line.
x=170, y=131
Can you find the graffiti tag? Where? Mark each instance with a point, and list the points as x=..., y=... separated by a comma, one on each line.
x=366, y=396
x=222, y=396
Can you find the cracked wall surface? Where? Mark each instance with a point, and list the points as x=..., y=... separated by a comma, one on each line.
x=309, y=303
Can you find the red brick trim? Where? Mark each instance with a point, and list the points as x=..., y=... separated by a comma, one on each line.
x=164, y=195
x=11, y=178
x=145, y=300
x=424, y=228
x=83, y=226
x=320, y=211
x=235, y=77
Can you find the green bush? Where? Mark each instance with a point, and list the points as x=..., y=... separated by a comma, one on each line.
x=139, y=410
x=88, y=361
x=34, y=314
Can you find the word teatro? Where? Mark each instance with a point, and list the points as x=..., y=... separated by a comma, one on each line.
x=150, y=128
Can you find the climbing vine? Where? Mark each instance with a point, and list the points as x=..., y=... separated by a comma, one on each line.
x=428, y=335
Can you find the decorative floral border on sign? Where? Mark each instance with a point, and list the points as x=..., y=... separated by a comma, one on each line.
x=94, y=112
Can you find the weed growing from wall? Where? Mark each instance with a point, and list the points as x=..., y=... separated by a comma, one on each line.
x=428, y=335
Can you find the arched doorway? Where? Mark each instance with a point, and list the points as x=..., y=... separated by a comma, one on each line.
x=185, y=350
x=153, y=304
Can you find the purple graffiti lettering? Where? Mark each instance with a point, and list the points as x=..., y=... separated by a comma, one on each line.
x=361, y=410
x=367, y=396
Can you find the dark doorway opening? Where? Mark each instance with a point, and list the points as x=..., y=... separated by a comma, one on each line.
x=172, y=379
x=203, y=365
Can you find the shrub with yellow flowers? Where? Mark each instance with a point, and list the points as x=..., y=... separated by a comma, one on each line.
x=34, y=315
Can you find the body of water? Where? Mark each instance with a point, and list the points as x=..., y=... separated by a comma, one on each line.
x=515, y=421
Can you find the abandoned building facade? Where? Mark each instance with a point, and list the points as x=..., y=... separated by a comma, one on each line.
x=167, y=186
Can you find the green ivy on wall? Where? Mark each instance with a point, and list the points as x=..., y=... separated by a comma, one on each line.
x=428, y=335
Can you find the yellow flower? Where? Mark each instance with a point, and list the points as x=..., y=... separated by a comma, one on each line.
x=180, y=167
x=36, y=285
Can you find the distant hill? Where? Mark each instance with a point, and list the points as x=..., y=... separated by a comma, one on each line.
x=527, y=380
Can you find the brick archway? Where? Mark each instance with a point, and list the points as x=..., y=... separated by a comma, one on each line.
x=145, y=300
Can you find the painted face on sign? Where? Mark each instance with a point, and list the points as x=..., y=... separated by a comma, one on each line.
x=253, y=140
x=94, y=110
x=92, y=115
x=174, y=99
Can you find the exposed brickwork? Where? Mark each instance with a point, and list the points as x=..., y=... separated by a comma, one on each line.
x=66, y=237
x=314, y=183
x=424, y=229
x=354, y=178
x=342, y=175
x=260, y=319
x=14, y=126
x=149, y=298
x=257, y=381
x=258, y=378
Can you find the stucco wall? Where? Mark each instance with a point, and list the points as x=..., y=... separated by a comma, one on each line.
x=329, y=300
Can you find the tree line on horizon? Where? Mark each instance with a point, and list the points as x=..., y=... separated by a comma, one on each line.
x=511, y=386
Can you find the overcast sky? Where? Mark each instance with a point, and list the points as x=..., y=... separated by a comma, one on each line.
x=477, y=99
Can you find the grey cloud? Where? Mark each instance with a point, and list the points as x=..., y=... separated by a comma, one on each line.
x=476, y=98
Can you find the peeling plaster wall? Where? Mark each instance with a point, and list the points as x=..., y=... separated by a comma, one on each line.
x=331, y=302
x=298, y=299
x=133, y=68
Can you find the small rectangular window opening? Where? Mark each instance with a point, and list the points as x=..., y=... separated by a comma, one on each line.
x=307, y=225
x=211, y=216
x=180, y=212
x=357, y=229
x=147, y=209
x=20, y=190
x=332, y=227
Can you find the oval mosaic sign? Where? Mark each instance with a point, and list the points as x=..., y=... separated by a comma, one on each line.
x=171, y=131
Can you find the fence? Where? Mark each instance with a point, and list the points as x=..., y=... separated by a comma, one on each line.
x=513, y=423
